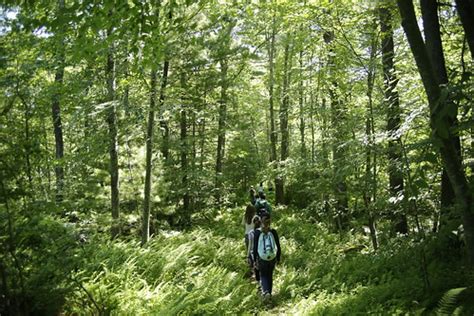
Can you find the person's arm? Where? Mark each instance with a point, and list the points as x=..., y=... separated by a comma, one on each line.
x=277, y=242
x=250, y=251
x=256, y=235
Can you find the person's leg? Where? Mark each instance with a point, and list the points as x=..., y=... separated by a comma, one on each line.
x=265, y=276
x=257, y=275
x=271, y=268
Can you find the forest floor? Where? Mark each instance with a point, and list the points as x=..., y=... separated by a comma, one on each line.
x=202, y=271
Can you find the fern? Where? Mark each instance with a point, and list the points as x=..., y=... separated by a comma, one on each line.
x=448, y=303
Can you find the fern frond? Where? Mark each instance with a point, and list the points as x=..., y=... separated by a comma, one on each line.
x=448, y=303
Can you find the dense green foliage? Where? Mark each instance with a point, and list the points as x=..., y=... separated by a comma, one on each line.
x=202, y=271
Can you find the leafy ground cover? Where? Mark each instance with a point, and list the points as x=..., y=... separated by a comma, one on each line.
x=202, y=271
x=76, y=269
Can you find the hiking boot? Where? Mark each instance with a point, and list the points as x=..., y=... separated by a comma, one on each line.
x=267, y=297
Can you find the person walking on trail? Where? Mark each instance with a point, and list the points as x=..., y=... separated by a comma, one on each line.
x=250, y=212
x=267, y=251
x=262, y=205
x=250, y=257
x=260, y=188
x=252, y=195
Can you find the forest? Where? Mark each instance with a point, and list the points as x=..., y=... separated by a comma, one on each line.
x=131, y=132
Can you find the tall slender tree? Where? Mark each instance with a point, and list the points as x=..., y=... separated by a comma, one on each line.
x=337, y=119
x=184, y=146
x=221, y=129
x=434, y=47
x=466, y=13
x=226, y=41
x=56, y=108
x=370, y=188
x=148, y=162
x=392, y=102
x=271, y=100
x=113, y=137
x=301, y=98
x=439, y=122
x=284, y=129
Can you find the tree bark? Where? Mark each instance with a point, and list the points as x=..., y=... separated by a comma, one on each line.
x=28, y=143
x=337, y=120
x=466, y=14
x=126, y=106
x=370, y=190
x=302, y=112
x=434, y=47
x=184, y=148
x=56, y=112
x=148, y=162
x=113, y=140
x=440, y=124
x=226, y=39
x=399, y=219
x=311, y=109
x=271, y=101
x=163, y=123
x=221, y=127
x=285, y=135
x=165, y=147
x=202, y=144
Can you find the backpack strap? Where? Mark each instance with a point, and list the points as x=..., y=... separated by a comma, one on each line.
x=255, y=243
x=277, y=242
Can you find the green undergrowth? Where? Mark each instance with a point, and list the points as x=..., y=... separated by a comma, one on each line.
x=202, y=271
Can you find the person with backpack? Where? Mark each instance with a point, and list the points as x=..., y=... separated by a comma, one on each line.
x=250, y=257
x=260, y=188
x=267, y=252
x=247, y=223
x=262, y=205
x=253, y=195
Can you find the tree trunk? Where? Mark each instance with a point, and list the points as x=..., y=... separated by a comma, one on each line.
x=56, y=112
x=271, y=99
x=285, y=104
x=337, y=120
x=184, y=149
x=226, y=40
x=28, y=143
x=221, y=128
x=434, y=47
x=370, y=188
x=165, y=147
x=399, y=220
x=148, y=162
x=439, y=123
x=202, y=144
x=126, y=106
x=311, y=109
x=163, y=122
x=302, y=113
x=113, y=141
x=466, y=14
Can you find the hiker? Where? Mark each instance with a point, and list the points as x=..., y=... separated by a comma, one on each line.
x=247, y=223
x=250, y=257
x=267, y=251
x=253, y=195
x=260, y=188
x=262, y=205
